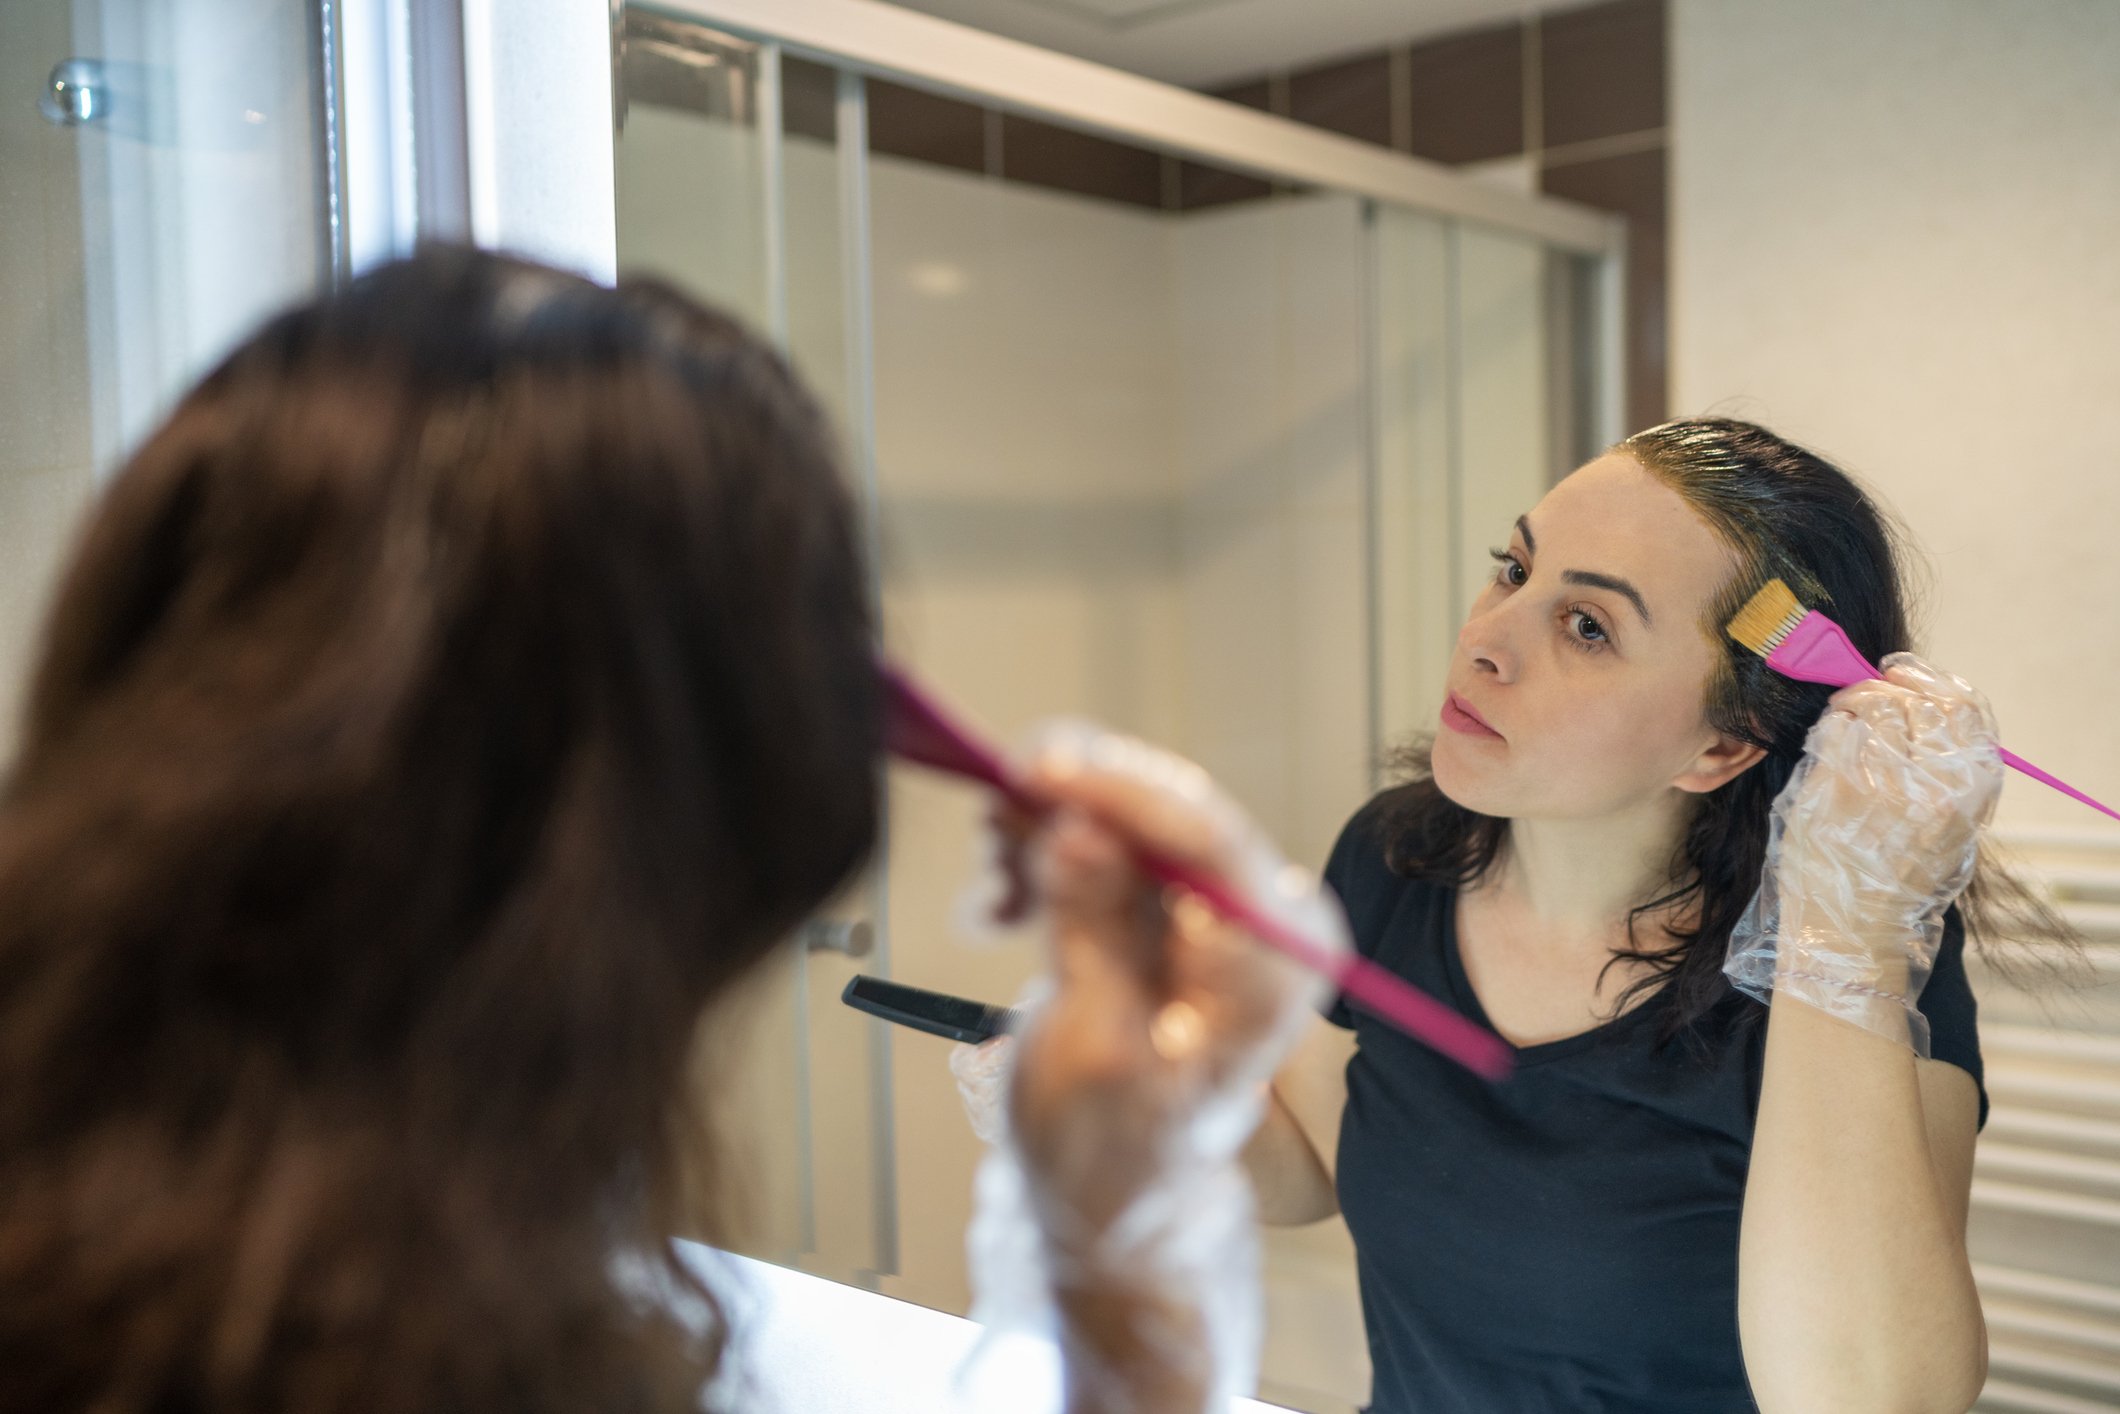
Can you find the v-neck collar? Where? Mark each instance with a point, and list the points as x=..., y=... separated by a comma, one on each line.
x=1468, y=1001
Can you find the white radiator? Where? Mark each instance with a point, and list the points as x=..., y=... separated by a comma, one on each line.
x=2045, y=1231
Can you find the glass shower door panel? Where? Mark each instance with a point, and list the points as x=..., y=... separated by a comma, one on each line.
x=1417, y=551
x=1121, y=438
x=693, y=180
x=1576, y=382
x=733, y=183
x=1471, y=427
x=162, y=188
x=1505, y=410
x=854, y=1197
x=1270, y=449
x=1271, y=452
x=691, y=167
x=1022, y=380
x=1483, y=398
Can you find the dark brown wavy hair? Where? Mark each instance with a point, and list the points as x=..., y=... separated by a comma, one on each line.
x=469, y=682
x=1792, y=515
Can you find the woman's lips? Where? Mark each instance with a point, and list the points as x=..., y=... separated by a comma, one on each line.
x=1461, y=718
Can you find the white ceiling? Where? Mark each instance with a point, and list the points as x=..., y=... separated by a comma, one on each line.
x=1201, y=42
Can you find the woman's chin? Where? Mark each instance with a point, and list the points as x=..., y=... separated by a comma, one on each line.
x=1457, y=779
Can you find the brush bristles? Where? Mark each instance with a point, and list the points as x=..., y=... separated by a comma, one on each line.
x=1767, y=618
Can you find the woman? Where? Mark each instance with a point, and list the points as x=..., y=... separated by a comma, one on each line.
x=1680, y=1201
x=468, y=685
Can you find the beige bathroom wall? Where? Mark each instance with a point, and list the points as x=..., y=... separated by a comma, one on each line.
x=1893, y=239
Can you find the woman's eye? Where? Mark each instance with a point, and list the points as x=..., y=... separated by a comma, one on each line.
x=1587, y=628
x=1512, y=571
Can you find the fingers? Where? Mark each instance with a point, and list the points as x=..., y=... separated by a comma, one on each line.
x=1110, y=797
x=1955, y=714
x=1106, y=920
x=1152, y=978
x=982, y=1074
x=1916, y=709
x=1900, y=776
x=1162, y=804
x=1083, y=870
x=1152, y=798
x=1012, y=830
x=1911, y=671
x=1115, y=930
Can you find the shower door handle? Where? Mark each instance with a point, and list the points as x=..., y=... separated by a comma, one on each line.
x=76, y=93
x=856, y=939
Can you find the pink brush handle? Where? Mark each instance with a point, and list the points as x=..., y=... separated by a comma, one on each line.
x=921, y=731
x=1369, y=986
x=2011, y=758
x=1817, y=650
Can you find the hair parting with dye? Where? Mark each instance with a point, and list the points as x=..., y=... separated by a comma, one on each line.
x=470, y=682
x=1791, y=515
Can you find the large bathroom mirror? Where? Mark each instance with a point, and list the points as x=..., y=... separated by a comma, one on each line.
x=1159, y=440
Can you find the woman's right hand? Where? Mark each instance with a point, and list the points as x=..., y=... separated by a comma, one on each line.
x=1164, y=1023
x=1116, y=1194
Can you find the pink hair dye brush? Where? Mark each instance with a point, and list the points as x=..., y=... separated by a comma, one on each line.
x=1804, y=644
x=919, y=731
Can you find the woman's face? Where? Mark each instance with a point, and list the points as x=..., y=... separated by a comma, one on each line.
x=1579, y=685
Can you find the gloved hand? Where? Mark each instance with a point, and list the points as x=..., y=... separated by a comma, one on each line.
x=1142, y=1072
x=1874, y=837
x=983, y=1073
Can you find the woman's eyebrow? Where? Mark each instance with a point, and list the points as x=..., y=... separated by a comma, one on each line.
x=1612, y=582
x=1588, y=578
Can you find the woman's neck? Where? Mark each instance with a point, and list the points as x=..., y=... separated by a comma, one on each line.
x=1583, y=878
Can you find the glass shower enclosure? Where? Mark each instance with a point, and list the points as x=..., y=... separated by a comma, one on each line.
x=164, y=184
x=1164, y=412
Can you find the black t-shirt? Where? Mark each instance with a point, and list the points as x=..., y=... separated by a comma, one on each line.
x=1566, y=1239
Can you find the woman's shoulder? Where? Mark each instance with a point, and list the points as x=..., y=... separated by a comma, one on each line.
x=1364, y=841
x=1360, y=868
x=1389, y=913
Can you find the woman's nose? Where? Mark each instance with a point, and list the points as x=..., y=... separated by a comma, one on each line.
x=1485, y=641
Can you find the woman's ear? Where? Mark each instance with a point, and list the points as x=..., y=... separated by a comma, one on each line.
x=1726, y=759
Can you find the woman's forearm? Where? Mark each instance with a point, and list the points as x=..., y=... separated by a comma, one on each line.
x=1854, y=1290
x=1287, y=1176
x=1132, y=1347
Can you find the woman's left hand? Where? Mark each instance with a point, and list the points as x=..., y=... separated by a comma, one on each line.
x=1880, y=828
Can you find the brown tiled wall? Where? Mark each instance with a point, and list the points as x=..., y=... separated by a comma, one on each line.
x=1632, y=184
x=1353, y=98
x=906, y=122
x=1602, y=72
x=1579, y=90
x=1465, y=96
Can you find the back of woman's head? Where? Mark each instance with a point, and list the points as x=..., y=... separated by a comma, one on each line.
x=471, y=679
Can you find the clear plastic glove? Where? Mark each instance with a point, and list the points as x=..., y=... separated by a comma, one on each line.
x=982, y=1073
x=1875, y=836
x=1115, y=1187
